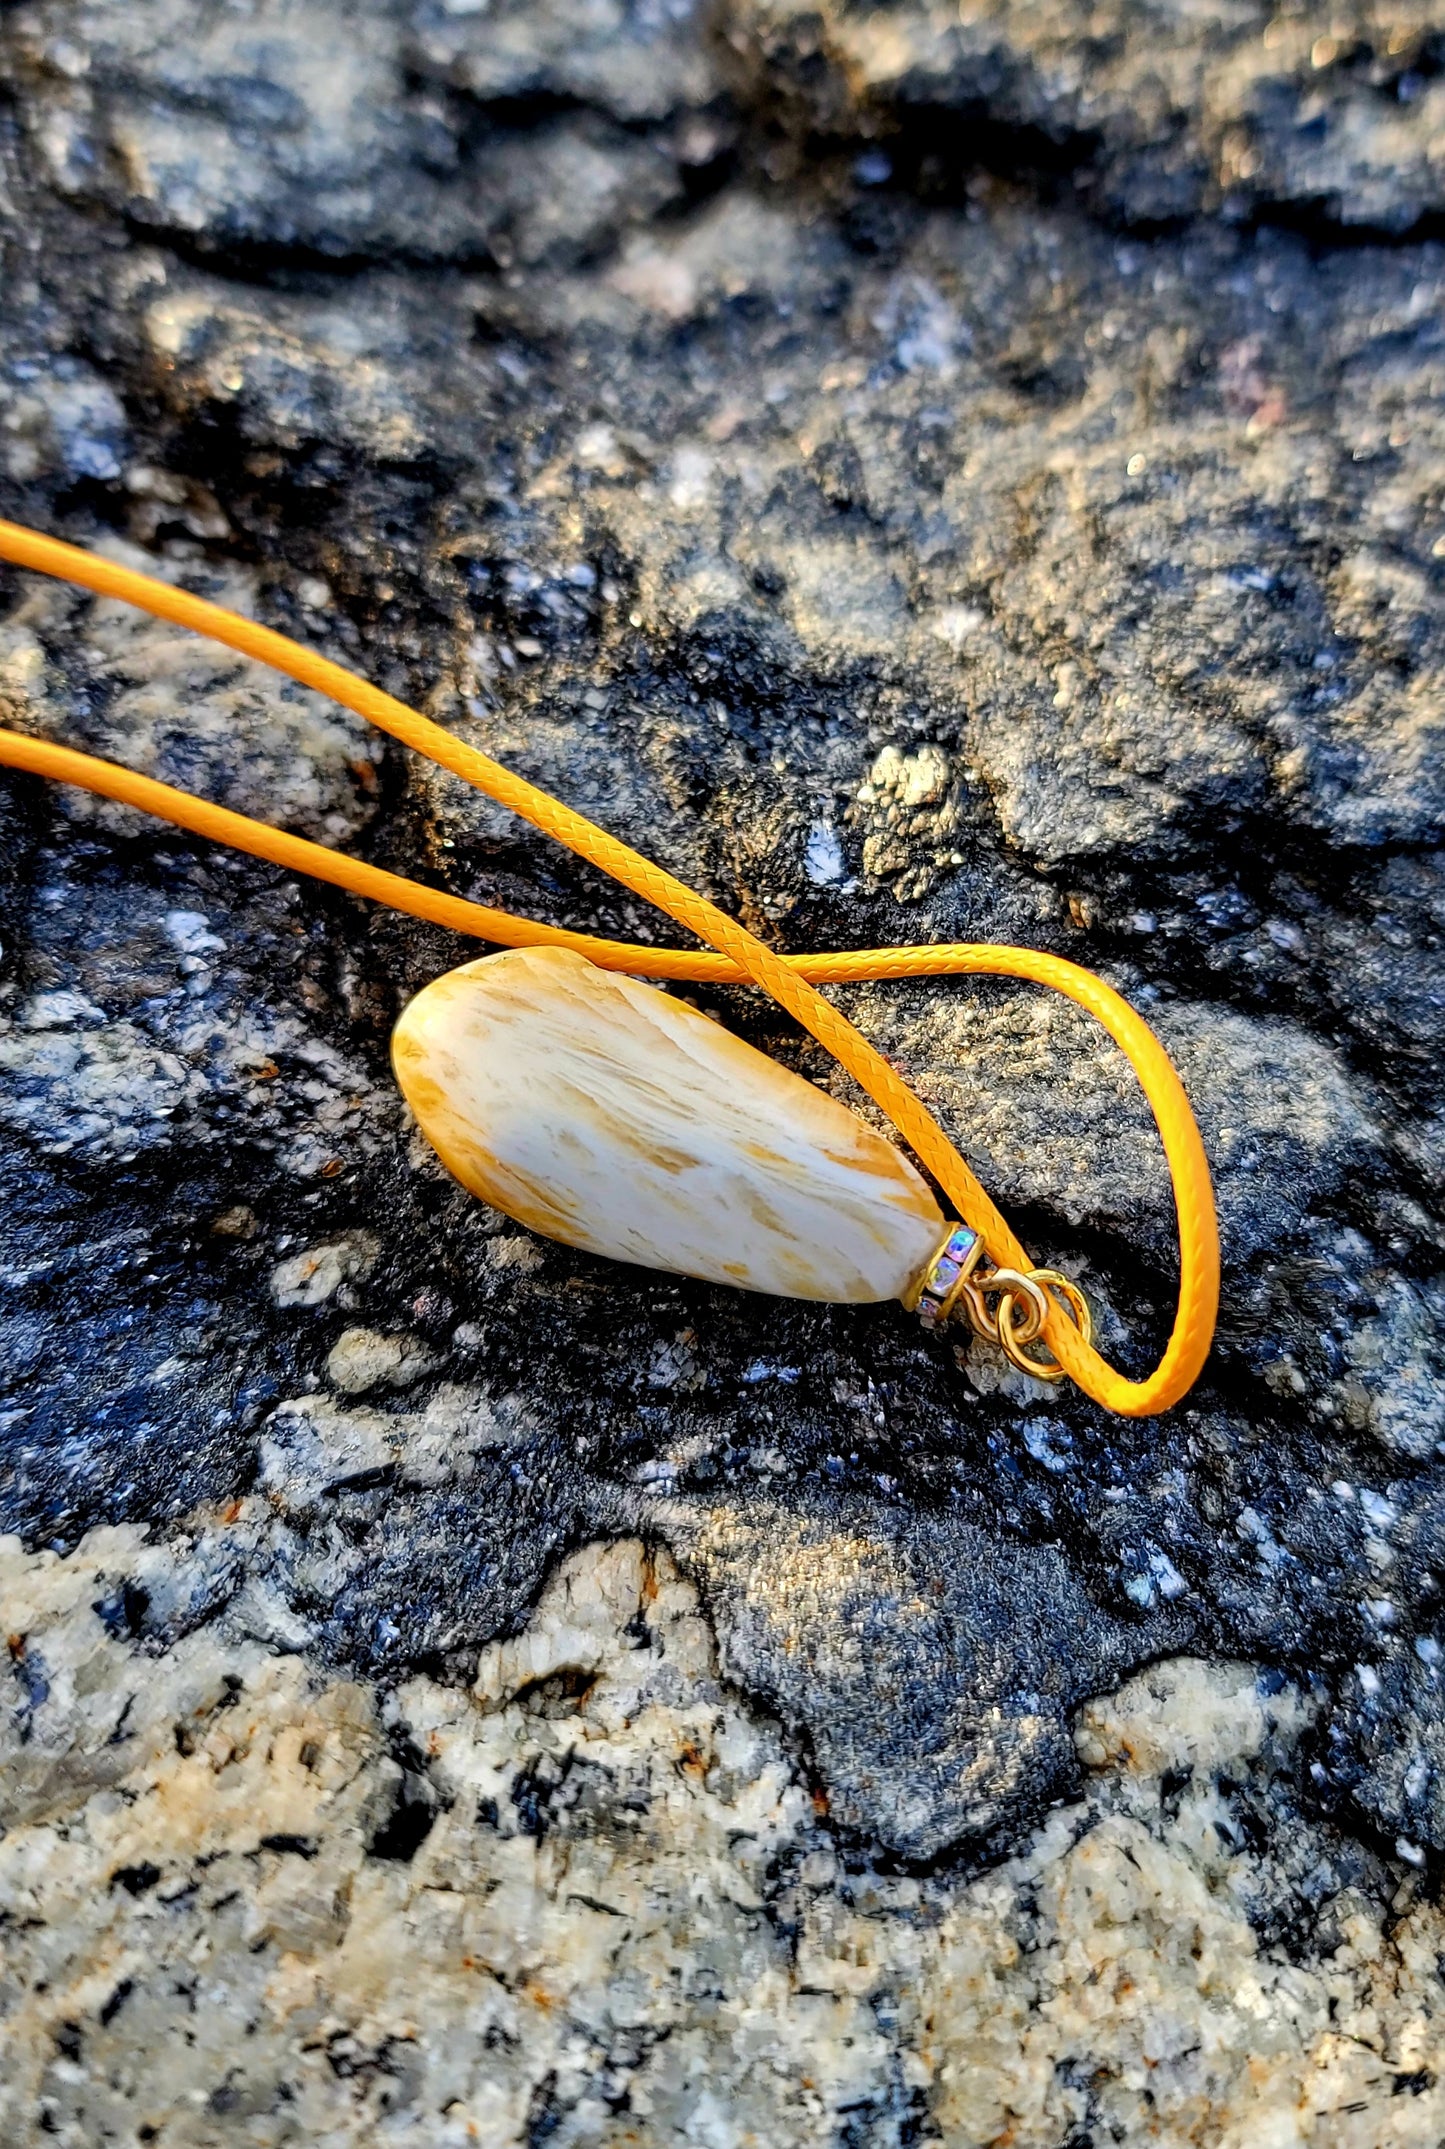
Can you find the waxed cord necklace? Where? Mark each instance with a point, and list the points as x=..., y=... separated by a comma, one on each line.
x=979, y=1271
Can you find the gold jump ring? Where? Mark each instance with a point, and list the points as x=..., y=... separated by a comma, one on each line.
x=1014, y=1336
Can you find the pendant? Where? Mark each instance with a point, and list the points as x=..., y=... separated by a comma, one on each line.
x=599, y=1111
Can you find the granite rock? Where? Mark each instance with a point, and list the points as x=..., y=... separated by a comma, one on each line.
x=918, y=1656
x=1162, y=110
x=99, y=675
x=596, y=1883
x=920, y=479
x=347, y=131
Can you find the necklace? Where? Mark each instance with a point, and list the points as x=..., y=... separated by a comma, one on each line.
x=611, y=1117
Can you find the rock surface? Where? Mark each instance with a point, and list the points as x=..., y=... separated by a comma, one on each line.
x=1159, y=109
x=593, y=1889
x=968, y=474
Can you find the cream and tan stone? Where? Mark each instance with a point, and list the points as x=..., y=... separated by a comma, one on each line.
x=599, y=1111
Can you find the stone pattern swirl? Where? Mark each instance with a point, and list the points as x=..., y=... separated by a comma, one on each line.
x=601, y=1113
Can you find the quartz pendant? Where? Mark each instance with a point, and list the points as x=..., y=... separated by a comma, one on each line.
x=601, y=1112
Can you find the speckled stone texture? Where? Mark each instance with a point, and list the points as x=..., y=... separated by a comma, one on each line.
x=921, y=473
x=589, y=1898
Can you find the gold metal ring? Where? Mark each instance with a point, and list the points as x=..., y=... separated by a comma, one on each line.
x=978, y=1289
x=1012, y=1342
x=1013, y=1335
x=1075, y=1302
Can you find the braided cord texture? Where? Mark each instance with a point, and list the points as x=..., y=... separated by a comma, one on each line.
x=791, y=981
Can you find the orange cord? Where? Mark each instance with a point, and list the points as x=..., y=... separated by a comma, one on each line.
x=740, y=957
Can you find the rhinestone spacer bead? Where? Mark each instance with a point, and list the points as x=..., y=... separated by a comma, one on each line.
x=951, y=1267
